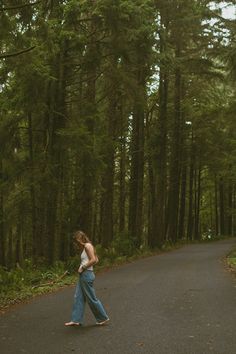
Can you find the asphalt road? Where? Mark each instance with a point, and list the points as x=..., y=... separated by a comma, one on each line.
x=181, y=302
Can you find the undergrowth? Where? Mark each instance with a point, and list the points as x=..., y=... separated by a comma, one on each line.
x=231, y=259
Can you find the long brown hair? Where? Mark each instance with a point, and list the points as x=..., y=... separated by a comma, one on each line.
x=81, y=236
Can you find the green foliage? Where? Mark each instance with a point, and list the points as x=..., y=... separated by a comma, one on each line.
x=121, y=248
x=72, y=264
x=123, y=245
x=231, y=259
x=20, y=284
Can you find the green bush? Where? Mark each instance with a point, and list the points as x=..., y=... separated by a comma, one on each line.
x=232, y=258
x=106, y=254
x=100, y=252
x=168, y=245
x=72, y=264
x=11, y=279
x=123, y=245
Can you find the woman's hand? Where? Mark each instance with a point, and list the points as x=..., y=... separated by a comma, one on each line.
x=80, y=270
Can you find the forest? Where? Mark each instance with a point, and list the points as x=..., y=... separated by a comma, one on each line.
x=117, y=117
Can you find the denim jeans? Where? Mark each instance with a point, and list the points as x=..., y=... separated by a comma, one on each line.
x=85, y=292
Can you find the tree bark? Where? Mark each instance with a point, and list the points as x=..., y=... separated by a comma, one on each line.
x=35, y=241
x=56, y=116
x=216, y=207
x=222, y=206
x=122, y=189
x=159, y=229
x=173, y=197
x=197, y=190
x=88, y=117
x=181, y=229
x=152, y=207
x=230, y=208
x=137, y=170
x=2, y=234
x=190, y=193
x=106, y=227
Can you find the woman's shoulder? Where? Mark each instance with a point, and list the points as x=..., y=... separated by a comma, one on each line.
x=88, y=246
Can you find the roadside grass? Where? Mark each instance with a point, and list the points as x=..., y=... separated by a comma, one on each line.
x=21, y=284
x=231, y=261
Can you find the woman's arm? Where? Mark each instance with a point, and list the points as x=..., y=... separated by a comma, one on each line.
x=91, y=254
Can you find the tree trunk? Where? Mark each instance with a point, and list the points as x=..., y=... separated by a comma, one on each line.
x=2, y=235
x=159, y=228
x=122, y=189
x=35, y=242
x=19, y=244
x=222, y=206
x=234, y=211
x=230, y=208
x=152, y=208
x=106, y=227
x=216, y=207
x=88, y=117
x=57, y=112
x=136, y=173
x=190, y=197
x=173, y=197
x=181, y=229
x=197, y=190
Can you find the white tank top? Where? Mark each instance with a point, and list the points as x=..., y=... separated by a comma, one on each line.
x=85, y=259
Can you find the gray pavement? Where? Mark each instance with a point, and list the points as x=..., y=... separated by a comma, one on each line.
x=181, y=302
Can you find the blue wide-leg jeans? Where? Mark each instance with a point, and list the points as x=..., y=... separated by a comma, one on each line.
x=85, y=292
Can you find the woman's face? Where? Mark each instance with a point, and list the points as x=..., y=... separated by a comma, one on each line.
x=80, y=242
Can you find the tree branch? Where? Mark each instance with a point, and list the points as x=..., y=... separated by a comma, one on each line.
x=227, y=20
x=3, y=56
x=16, y=7
x=52, y=281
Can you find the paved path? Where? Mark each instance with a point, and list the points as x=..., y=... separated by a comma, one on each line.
x=182, y=302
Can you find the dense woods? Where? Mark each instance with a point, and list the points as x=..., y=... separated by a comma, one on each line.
x=117, y=117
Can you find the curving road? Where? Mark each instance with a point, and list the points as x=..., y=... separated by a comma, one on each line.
x=181, y=302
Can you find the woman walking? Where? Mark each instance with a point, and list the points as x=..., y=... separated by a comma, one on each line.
x=84, y=289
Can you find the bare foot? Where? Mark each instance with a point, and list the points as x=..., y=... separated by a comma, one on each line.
x=103, y=322
x=71, y=323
